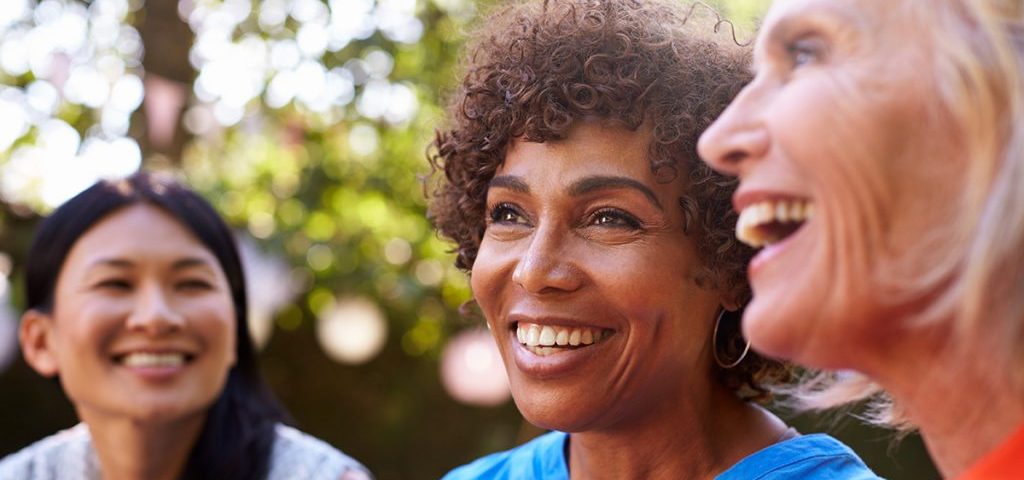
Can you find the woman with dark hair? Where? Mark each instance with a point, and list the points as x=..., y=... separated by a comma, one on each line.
x=136, y=302
x=601, y=253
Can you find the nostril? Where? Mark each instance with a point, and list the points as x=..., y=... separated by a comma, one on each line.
x=734, y=157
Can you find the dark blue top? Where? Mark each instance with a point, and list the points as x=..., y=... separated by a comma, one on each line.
x=808, y=457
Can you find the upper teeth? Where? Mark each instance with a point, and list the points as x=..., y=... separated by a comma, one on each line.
x=766, y=212
x=532, y=335
x=142, y=359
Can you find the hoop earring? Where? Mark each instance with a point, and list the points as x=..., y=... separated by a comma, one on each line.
x=714, y=347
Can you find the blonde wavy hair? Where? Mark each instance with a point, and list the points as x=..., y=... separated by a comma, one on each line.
x=979, y=75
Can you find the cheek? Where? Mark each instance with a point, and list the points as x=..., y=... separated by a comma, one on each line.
x=486, y=277
x=214, y=321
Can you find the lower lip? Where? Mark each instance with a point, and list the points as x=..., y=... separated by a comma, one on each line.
x=556, y=364
x=156, y=374
x=770, y=252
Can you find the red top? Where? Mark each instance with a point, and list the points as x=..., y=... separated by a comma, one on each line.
x=1006, y=462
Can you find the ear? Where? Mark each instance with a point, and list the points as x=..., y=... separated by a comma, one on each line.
x=36, y=336
x=730, y=301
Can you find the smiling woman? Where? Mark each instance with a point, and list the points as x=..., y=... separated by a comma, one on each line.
x=137, y=304
x=601, y=252
x=895, y=129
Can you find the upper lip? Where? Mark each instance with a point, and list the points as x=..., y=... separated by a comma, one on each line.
x=746, y=197
x=515, y=318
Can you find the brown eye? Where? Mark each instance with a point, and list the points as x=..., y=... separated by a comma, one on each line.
x=114, y=284
x=194, y=285
x=506, y=213
x=614, y=218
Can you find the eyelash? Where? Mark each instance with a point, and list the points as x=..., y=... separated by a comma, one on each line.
x=505, y=213
x=194, y=284
x=118, y=284
x=115, y=283
x=802, y=52
x=502, y=210
x=620, y=219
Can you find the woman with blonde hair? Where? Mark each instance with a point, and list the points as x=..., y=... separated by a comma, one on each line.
x=880, y=152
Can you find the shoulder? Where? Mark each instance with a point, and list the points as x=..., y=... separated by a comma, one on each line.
x=297, y=455
x=65, y=454
x=542, y=457
x=808, y=457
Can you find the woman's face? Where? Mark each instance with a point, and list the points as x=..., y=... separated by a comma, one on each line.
x=846, y=171
x=587, y=281
x=143, y=324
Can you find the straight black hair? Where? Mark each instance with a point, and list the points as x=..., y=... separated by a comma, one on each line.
x=238, y=435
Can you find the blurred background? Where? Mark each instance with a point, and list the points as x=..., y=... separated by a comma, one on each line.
x=305, y=123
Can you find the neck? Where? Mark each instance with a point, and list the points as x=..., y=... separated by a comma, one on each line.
x=131, y=449
x=682, y=438
x=959, y=397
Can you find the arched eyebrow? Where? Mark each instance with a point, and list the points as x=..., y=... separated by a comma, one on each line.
x=582, y=186
x=595, y=183
x=510, y=182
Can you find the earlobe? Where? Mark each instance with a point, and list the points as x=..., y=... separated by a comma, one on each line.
x=36, y=336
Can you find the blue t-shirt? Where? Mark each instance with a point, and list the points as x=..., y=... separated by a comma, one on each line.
x=808, y=457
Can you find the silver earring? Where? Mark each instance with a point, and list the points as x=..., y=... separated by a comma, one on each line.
x=714, y=347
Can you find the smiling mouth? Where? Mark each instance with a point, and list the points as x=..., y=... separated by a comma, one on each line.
x=153, y=360
x=770, y=222
x=547, y=340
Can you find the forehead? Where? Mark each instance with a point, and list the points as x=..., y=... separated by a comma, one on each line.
x=142, y=232
x=590, y=147
x=791, y=16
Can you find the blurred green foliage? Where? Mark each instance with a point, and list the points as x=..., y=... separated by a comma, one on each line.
x=329, y=192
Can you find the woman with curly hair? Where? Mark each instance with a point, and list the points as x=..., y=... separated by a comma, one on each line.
x=900, y=125
x=600, y=249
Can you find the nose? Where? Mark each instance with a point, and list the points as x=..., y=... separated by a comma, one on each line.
x=546, y=267
x=153, y=313
x=737, y=137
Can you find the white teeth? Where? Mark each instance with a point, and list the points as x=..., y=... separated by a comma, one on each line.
x=549, y=336
x=563, y=337
x=143, y=359
x=767, y=212
x=533, y=335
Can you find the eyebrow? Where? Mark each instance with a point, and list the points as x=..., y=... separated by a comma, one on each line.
x=583, y=186
x=595, y=183
x=181, y=264
x=510, y=182
x=189, y=263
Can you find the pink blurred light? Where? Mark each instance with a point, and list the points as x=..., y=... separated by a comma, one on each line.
x=164, y=101
x=472, y=371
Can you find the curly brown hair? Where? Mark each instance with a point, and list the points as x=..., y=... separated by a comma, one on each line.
x=535, y=68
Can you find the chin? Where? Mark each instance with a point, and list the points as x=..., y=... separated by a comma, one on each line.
x=777, y=329
x=553, y=410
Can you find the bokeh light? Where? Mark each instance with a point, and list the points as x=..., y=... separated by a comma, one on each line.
x=8, y=318
x=268, y=288
x=78, y=60
x=352, y=330
x=472, y=371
